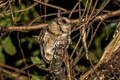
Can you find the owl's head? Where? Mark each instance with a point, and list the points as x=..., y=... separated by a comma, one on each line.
x=63, y=21
x=64, y=24
x=59, y=26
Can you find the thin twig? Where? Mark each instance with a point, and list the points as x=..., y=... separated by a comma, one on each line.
x=50, y=5
x=75, y=48
x=92, y=37
x=12, y=68
x=74, y=8
x=23, y=55
x=18, y=11
x=21, y=28
x=68, y=65
x=13, y=75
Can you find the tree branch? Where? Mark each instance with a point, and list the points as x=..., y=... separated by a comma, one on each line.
x=33, y=27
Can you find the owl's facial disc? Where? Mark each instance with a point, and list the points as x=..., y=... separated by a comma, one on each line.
x=63, y=21
x=64, y=24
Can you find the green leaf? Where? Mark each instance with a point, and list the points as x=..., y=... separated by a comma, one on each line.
x=37, y=60
x=30, y=45
x=23, y=40
x=83, y=68
x=73, y=46
x=8, y=46
x=36, y=52
x=2, y=56
x=19, y=62
x=35, y=77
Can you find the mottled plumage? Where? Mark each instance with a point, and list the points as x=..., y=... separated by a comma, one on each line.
x=55, y=38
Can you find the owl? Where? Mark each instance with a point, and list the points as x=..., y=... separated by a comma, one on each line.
x=55, y=38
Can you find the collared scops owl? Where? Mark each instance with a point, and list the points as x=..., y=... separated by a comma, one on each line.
x=55, y=38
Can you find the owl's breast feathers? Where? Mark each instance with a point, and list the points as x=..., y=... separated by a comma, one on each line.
x=53, y=44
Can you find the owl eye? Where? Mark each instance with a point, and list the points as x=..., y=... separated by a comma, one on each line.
x=63, y=21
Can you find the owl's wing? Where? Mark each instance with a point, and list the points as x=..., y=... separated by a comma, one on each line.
x=41, y=36
x=46, y=45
